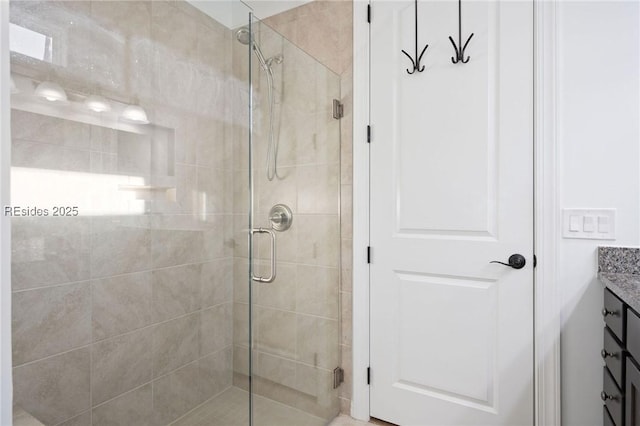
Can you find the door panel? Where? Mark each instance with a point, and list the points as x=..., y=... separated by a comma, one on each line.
x=452, y=190
x=460, y=371
x=445, y=147
x=295, y=161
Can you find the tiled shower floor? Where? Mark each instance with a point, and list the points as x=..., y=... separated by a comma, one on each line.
x=231, y=408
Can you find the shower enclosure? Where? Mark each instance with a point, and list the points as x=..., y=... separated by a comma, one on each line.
x=176, y=247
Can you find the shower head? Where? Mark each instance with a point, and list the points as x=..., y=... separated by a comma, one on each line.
x=246, y=37
x=243, y=35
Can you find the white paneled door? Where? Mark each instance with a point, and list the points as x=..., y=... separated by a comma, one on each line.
x=451, y=191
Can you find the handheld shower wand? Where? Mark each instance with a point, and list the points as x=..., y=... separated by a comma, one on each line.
x=243, y=35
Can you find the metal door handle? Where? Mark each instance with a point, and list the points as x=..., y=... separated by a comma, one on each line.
x=516, y=261
x=272, y=275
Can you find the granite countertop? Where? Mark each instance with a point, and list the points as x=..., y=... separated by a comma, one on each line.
x=619, y=270
x=625, y=286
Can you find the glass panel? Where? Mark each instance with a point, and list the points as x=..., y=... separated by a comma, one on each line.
x=148, y=139
x=124, y=164
x=296, y=163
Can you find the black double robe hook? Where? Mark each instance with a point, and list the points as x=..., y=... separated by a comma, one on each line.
x=418, y=58
x=459, y=48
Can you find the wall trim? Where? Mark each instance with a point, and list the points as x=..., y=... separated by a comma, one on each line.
x=547, y=321
x=360, y=396
x=547, y=324
x=6, y=383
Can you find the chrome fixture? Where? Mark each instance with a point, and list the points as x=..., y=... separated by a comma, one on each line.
x=272, y=276
x=281, y=217
x=244, y=36
x=338, y=109
x=278, y=58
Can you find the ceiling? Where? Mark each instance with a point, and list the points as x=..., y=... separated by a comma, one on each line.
x=234, y=13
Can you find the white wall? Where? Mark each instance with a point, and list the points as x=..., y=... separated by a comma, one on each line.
x=599, y=163
x=5, y=231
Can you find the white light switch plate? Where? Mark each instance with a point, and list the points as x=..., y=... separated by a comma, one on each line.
x=589, y=224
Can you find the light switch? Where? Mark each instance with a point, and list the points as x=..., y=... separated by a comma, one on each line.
x=603, y=224
x=575, y=223
x=589, y=224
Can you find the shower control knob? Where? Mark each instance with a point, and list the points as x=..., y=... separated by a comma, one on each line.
x=280, y=217
x=277, y=218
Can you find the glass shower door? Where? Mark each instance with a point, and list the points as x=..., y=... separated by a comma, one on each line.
x=294, y=256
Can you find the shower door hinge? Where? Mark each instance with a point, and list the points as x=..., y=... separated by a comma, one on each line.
x=338, y=377
x=369, y=13
x=535, y=261
x=368, y=134
x=368, y=375
x=338, y=109
x=368, y=254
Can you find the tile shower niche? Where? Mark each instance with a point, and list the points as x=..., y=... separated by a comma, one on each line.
x=101, y=170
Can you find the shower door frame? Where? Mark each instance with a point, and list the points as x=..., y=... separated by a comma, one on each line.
x=547, y=323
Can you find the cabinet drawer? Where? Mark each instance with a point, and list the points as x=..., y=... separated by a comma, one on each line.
x=632, y=388
x=613, y=313
x=633, y=334
x=612, y=354
x=606, y=417
x=612, y=397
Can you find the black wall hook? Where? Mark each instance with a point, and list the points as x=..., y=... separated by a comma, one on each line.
x=418, y=58
x=459, y=48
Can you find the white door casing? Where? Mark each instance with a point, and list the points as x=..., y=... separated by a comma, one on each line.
x=451, y=190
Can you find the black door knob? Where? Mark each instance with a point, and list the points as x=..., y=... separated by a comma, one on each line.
x=516, y=261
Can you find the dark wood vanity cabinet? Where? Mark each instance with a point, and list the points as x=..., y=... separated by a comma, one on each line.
x=632, y=373
x=621, y=353
x=632, y=392
x=613, y=352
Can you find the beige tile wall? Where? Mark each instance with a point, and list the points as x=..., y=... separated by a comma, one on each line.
x=323, y=29
x=126, y=319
